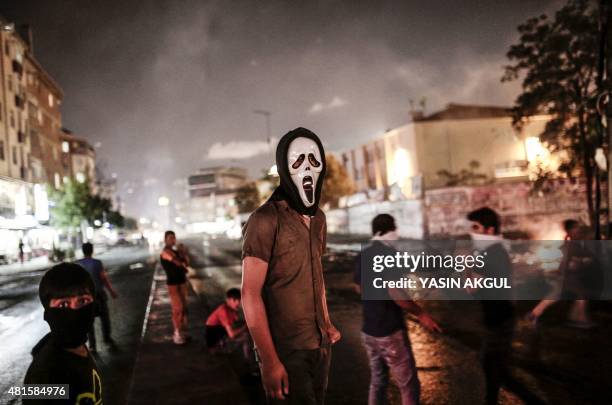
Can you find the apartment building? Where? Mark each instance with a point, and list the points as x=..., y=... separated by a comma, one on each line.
x=462, y=141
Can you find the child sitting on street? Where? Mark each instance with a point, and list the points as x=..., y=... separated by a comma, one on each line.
x=220, y=324
x=222, y=334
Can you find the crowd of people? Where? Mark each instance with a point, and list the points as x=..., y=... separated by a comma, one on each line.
x=288, y=334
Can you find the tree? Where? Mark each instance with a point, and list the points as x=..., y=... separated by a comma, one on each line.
x=557, y=61
x=72, y=205
x=336, y=184
x=247, y=198
x=75, y=203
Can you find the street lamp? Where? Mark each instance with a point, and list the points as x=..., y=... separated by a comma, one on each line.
x=273, y=171
x=163, y=201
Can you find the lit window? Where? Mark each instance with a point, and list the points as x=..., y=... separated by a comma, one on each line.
x=50, y=100
x=80, y=177
x=57, y=180
x=65, y=147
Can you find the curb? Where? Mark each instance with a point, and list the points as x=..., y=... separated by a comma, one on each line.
x=144, y=328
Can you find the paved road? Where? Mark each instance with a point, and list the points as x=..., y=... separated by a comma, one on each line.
x=22, y=324
x=564, y=365
x=560, y=364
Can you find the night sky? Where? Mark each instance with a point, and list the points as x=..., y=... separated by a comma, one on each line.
x=165, y=87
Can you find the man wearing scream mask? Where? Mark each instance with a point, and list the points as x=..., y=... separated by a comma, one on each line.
x=61, y=357
x=283, y=292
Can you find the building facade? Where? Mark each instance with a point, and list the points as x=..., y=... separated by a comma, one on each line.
x=211, y=198
x=44, y=98
x=78, y=159
x=34, y=150
x=461, y=143
x=14, y=142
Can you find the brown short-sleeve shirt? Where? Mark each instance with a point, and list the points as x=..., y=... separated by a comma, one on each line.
x=294, y=289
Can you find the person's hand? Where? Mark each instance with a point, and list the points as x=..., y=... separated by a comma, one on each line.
x=275, y=380
x=533, y=316
x=333, y=334
x=428, y=323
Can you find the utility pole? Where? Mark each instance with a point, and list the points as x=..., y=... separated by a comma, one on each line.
x=266, y=114
x=608, y=63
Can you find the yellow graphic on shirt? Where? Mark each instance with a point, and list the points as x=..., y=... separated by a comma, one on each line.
x=94, y=397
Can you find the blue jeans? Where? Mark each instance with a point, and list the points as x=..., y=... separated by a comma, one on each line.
x=391, y=353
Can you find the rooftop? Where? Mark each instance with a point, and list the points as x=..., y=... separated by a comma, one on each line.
x=466, y=111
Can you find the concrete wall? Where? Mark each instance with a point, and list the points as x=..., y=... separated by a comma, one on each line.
x=442, y=211
x=520, y=209
x=358, y=219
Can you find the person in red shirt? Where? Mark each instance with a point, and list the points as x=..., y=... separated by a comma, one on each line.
x=220, y=323
x=222, y=332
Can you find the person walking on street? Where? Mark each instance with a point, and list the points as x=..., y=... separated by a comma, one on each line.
x=582, y=278
x=384, y=332
x=175, y=267
x=283, y=291
x=21, y=252
x=98, y=274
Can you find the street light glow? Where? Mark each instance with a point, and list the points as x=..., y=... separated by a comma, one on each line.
x=163, y=201
x=534, y=149
x=401, y=171
x=273, y=171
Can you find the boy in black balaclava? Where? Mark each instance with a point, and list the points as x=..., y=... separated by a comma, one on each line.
x=283, y=291
x=61, y=357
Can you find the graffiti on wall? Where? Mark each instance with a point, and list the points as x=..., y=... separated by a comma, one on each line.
x=538, y=214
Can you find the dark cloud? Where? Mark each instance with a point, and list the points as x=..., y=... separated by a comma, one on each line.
x=159, y=83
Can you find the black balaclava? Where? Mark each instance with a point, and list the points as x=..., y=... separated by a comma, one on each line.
x=68, y=326
x=287, y=190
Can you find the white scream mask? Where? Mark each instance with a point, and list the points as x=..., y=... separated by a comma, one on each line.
x=305, y=165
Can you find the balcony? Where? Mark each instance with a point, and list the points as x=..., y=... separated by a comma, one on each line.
x=515, y=169
x=21, y=137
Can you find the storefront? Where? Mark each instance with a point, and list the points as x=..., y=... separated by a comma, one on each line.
x=24, y=213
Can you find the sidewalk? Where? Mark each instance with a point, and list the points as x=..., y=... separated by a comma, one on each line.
x=165, y=373
x=36, y=264
x=109, y=256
